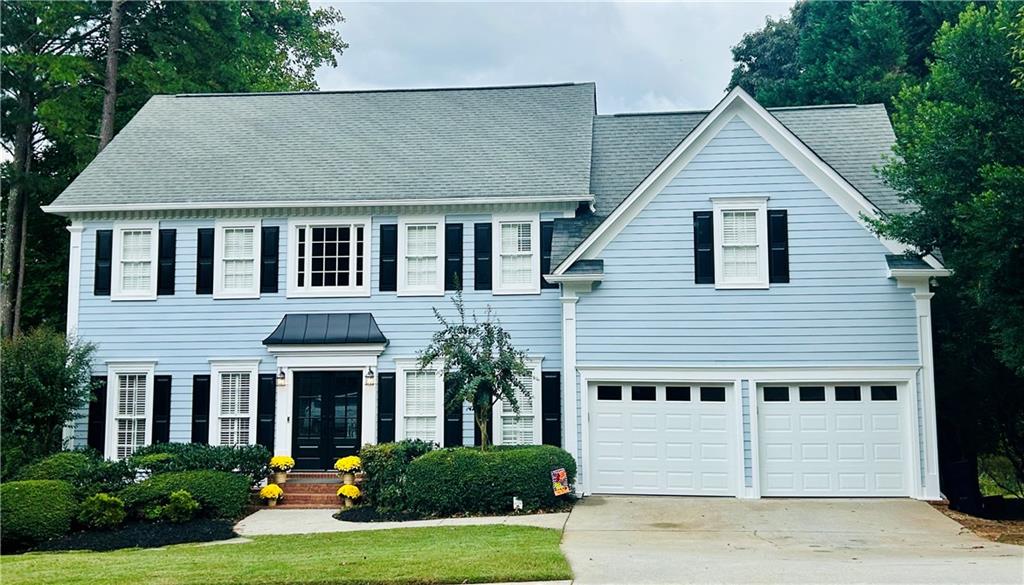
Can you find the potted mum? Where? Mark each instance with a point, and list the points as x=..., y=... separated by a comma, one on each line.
x=281, y=465
x=350, y=492
x=349, y=466
x=272, y=493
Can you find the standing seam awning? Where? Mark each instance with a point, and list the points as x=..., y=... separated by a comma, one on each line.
x=326, y=329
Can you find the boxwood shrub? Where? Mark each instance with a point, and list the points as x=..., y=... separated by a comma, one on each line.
x=34, y=511
x=86, y=470
x=220, y=494
x=464, y=480
x=385, y=465
x=249, y=460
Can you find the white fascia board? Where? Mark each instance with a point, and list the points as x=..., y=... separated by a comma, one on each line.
x=592, y=277
x=911, y=273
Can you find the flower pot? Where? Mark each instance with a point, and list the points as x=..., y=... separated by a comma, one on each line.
x=280, y=477
x=272, y=503
x=348, y=502
x=348, y=478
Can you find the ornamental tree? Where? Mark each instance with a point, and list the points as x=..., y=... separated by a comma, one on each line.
x=480, y=365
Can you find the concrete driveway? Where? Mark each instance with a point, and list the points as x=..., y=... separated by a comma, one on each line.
x=627, y=539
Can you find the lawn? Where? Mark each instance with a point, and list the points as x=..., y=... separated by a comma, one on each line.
x=470, y=554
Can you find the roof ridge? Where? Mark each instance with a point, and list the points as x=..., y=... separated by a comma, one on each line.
x=386, y=90
x=705, y=112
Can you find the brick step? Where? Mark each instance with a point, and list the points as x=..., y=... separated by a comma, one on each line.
x=325, y=499
x=284, y=506
x=311, y=488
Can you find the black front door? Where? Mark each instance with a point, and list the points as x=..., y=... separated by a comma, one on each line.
x=325, y=425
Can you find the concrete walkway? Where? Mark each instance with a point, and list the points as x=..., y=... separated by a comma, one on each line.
x=725, y=540
x=299, y=521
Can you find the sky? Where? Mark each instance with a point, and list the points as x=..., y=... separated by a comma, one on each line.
x=644, y=57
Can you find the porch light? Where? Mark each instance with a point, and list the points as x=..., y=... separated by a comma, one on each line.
x=370, y=378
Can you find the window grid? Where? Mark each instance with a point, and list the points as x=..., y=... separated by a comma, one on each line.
x=421, y=406
x=136, y=260
x=739, y=245
x=235, y=389
x=421, y=258
x=330, y=256
x=130, y=414
x=516, y=254
x=239, y=259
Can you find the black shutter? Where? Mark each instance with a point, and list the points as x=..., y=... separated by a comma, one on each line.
x=453, y=256
x=778, y=245
x=265, y=405
x=165, y=266
x=385, y=408
x=161, y=409
x=96, y=434
x=268, y=259
x=452, y=420
x=551, y=408
x=388, y=258
x=201, y=409
x=104, y=252
x=703, y=248
x=482, y=256
x=547, y=231
x=204, y=262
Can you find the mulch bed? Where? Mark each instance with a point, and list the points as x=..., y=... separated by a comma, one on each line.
x=143, y=535
x=369, y=514
x=1007, y=531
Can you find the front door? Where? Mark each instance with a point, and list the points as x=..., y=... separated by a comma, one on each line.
x=326, y=419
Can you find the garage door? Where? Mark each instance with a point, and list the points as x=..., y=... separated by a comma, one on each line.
x=833, y=440
x=655, y=439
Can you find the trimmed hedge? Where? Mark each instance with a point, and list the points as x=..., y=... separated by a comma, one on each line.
x=249, y=460
x=464, y=480
x=220, y=494
x=85, y=470
x=385, y=465
x=34, y=511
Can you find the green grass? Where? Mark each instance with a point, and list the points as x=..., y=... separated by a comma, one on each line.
x=470, y=554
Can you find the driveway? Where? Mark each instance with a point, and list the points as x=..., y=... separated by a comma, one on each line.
x=625, y=539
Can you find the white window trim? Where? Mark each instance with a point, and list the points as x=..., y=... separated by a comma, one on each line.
x=115, y=369
x=294, y=291
x=116, y=292
x=538, y=417
x=534, y=286
x=219, y=291
x=759, y=205
x=218, y=367
x=404, y=289
x=411, y=365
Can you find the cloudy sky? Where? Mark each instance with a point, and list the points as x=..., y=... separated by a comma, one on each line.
x=643, y=57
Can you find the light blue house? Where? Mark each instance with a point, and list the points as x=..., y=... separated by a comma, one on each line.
x=704, y=307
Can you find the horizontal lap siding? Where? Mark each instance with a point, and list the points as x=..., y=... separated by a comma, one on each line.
x=184, y=331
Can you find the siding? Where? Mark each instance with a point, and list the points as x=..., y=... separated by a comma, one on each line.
x=184, y=331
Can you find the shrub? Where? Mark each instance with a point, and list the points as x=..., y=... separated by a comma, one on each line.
x=385, y=465
x=248, y=460
x=85, y=470
x=220, y=494
x=180, y=507
x=101, y=511
x=34, y=511
x=462, y=480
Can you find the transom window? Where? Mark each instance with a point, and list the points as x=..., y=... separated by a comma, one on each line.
x=421, y=406
x=518, y=259
x=237, y=260
x=134, y=270
x=329, y=259
x=741, y=233
x=421, y=249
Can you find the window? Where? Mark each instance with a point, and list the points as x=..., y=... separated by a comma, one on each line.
x=883, y=393
x=517, y=269
x=329, y=259
x=714, y=394
x=776, y=394
x=741, y=233
x=643, y=393
x=847, y=393
x=421, y=253
x=609, y=392
x=236, y=260
x=233, y=403
x=812, y=394
x=134, y=265
x=421, y=397
x=522, y=428
x=130, y=409
x=677, y=393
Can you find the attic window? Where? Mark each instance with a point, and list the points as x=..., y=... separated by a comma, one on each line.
x=741, y=235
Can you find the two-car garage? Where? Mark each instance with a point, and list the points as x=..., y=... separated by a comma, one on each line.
x=714, y=439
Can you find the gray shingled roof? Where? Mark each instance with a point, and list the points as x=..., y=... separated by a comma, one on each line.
x=364, y=145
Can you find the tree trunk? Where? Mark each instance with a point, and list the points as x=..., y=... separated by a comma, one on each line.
x=110, y=84
x=16, y=328
x=17, y=200
x=483, y=423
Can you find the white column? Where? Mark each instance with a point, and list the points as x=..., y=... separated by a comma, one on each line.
x=74, y=291
x=368, y=424
x=570, y=428
x=922, y=299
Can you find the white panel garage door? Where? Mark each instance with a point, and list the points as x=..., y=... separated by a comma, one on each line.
x=656, y=439
x=833, y=440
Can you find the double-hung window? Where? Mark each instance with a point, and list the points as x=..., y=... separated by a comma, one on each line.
x=420, y=404
x=741, y=234
x=236, y=260
x=134, y=263
x=329, y=258
x=517, y=241
x=524, y=427
x=130, y=410
x=233, y=403
x=421, y=256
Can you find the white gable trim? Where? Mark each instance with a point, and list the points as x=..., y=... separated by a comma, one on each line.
x=736, y=103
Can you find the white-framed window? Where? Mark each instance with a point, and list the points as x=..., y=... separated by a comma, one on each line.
x=236, y=260
x=134, y=264
x=233, y=402
x=516, y=243
x=741, y=241
x=524, y=428
x=421, y=256
x=129, y=408
x=420, y=404
x=329, y=258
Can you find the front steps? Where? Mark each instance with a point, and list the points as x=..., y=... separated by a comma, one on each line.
x=311, y=490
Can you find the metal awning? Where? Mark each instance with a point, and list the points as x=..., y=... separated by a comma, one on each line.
x=326, y=329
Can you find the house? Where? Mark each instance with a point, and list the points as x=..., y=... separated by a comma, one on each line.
x=704, y=306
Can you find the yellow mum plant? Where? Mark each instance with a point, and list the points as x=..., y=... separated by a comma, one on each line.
x=350, y=464
x=271, y=492
x=349, y=491
x=281, y=463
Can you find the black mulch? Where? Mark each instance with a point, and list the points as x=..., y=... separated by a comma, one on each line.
x=143, y=535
